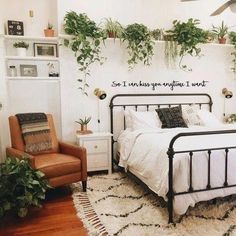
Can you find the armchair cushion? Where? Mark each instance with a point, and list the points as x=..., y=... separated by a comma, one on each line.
x=57, y=164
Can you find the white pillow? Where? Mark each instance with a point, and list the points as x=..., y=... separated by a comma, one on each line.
x=208, y=118
x=128, y=119
x=145, y=120
x=190, y=115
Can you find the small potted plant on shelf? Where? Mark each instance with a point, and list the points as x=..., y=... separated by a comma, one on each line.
x=221, y=32
x=83, y=125
x=113, y=29
x=49, y=32
x=21, y=48
x=157, y=34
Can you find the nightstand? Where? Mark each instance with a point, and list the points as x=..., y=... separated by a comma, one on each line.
x=98, y=147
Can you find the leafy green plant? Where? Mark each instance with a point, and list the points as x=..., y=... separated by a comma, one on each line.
x=50, y=26
x=171, y=50
x=113, y=29
x=140, y=44
x=20, y=187
x=221, y=31
x=188, y=36
x=232, y=37
x=210, y=36
x=85, y=43
x=230, y=119
x=21, y=44
x=84, y=121
x=156, y=34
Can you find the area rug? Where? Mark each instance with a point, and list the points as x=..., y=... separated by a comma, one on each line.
x=117, y=205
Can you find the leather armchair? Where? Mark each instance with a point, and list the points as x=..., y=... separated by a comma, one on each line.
x=62, y=165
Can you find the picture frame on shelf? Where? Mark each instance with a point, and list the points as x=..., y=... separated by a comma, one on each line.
x=45, y=49
x=15, y=27
x=28, y=71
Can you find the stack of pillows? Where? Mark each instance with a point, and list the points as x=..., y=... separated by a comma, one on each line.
x=170, y=118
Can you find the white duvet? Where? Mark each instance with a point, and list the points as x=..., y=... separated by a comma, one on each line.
x=143, y=152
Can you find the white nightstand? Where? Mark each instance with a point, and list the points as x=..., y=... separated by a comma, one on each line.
x=98, y=147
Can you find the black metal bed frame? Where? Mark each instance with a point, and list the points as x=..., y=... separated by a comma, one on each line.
x=171, y=152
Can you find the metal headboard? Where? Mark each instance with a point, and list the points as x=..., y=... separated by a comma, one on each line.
x=114, y=104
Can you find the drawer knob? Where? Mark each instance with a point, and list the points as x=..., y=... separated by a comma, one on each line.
x=96, y=146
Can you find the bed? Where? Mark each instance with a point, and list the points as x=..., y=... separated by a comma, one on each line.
x=182, y=165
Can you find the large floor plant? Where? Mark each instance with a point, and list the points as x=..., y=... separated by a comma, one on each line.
x=140, y=44
x=85, y=43
x=188, y=36
x=20, y=187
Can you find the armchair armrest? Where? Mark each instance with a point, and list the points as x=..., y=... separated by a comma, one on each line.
x=12, y=152
x=76, y=151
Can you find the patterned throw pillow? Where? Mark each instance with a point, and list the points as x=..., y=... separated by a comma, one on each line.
x=171, y=117
x=190, y=115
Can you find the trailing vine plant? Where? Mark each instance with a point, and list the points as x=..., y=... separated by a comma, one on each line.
x=85, y=43
x=188, y=36
x=232, y=37
x=140, y=44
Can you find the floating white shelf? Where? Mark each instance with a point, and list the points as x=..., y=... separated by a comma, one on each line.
x=32, y=58
x=35, y=38
x=32, y=78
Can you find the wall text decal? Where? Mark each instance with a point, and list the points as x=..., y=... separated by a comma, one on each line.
x=154, y=85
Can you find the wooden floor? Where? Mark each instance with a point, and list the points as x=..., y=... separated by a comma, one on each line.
x=56, y=218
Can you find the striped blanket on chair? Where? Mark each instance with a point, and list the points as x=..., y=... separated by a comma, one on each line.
x=35, y=131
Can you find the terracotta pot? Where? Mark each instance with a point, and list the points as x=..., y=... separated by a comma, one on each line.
x=49, y=33
x=111, y=34
x=83, y=127
x=222, y=40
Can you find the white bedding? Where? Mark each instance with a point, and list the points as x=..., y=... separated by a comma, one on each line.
x=143, y=152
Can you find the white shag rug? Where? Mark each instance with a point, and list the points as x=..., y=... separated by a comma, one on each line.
x=117, y=205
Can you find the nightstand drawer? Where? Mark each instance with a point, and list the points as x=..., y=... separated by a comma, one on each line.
x=96, y=146
x=97, y=161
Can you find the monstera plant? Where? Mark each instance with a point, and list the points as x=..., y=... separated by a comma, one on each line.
x=85, y=43
x=20, y=187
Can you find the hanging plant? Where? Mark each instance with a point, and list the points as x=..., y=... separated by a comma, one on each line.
x=85, y=43
x=171, y=50
x=140, y=44
x=113, y=29
x=232, y=37
x=188, y=36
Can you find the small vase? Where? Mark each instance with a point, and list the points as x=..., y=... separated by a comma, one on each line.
x=222, y=40
x=49, y=33
x=21, y=52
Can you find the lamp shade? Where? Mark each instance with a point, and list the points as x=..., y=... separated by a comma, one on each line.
x=227, y=93
x=100, y=93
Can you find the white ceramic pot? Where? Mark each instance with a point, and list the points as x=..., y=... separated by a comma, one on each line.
x=21, y=52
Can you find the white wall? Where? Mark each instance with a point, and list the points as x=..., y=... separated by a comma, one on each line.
x=214, y=66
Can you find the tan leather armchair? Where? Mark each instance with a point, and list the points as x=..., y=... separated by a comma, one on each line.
x=62, y=165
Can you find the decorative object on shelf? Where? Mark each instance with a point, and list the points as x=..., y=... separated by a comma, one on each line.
x=12, y=72
x=113, y=29
x=49, y=32
x=232, y=37
x=140, y=44
x=101, y=95
x=83, y=125
x=230, y=119
x=21, y=48
x=210, y=36
x=21, y=187
x=85, y=43
x=221, y=31
x=227, y=95
x=188, y=36
x=51, y=70
x=28, y=70
x=45, y=49
x=171, y=50
x=15, y=27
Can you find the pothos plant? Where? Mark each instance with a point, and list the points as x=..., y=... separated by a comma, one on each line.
x=85, y=43
x=232, y=37
x=140, y=44
x=188, y=36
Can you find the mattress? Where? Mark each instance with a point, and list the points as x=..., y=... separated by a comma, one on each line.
x=144, y=153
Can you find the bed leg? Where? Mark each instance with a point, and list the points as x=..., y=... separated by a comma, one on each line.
x=170, y=194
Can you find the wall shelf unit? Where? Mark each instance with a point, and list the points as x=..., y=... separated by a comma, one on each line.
x=31, y=38
x=33, y=78
x=32, y=58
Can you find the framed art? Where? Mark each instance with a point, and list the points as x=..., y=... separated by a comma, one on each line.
x=15, y=27
x=28, y=70
x=45, y=50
